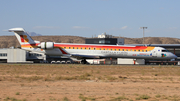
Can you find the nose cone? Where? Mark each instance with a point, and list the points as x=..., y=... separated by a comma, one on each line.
x=173, y=56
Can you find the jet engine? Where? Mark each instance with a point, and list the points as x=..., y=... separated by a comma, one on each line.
x=47, y=45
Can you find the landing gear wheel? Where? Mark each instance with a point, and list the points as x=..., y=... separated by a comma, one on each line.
x=83, y=61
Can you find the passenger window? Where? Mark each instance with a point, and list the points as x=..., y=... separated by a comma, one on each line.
x=139, y=50
x=115, y=49
x=127, y=50
x=94, y=48
x=142, y=50
x=119, y=50
x=123, y=50
x=69, y=47
x=135, y=50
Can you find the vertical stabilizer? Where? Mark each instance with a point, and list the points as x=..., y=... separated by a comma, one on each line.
x=22, y=36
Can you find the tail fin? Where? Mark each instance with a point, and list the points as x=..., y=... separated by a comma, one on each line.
x=24, y=39
x=22, y=36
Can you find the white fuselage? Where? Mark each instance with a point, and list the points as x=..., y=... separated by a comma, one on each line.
x=156, y=53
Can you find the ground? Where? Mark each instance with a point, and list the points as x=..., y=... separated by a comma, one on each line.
x=74, y=82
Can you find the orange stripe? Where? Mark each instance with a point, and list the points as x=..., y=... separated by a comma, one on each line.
x=103, y=46
x=29, y=45
x=93, y=46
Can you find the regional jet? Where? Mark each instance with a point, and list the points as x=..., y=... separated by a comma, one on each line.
x=90, y=51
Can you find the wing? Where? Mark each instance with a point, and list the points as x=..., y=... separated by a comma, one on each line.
x=78, y=56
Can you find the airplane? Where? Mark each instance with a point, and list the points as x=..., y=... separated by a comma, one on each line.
x=90, y=51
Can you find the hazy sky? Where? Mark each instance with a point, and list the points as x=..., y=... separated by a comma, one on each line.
x=88, y=18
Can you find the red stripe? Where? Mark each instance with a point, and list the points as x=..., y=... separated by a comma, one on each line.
x=91, y=46
x=30, y=45
x=100, y=46
x=62, y=51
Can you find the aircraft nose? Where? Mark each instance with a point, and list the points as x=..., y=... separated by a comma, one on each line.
x=173, y=56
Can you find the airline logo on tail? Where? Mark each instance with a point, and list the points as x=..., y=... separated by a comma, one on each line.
x=24, y=38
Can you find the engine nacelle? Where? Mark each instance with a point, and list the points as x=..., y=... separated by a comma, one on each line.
x=47, y=45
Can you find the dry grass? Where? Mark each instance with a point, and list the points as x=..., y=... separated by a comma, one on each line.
x=29, y=72
x=94, y=82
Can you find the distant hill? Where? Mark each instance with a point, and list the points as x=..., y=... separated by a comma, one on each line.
x=152, y=40
x=8, y=41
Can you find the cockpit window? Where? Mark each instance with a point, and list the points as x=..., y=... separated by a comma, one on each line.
x=165, y=51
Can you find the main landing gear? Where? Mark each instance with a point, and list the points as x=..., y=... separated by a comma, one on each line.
x=83, y=61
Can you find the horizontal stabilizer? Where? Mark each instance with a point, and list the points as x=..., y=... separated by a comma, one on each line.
x=16, y=30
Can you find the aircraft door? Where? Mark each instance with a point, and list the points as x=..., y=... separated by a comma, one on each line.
x=159, y=53
x=154, y=53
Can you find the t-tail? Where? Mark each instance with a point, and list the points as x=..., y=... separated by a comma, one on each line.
x=24, y=39
x=27, y=43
